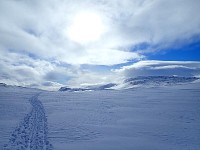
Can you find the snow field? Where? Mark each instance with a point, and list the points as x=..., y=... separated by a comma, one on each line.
x=164, y=118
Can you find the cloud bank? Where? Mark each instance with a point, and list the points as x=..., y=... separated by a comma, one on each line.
x=36, y=49
x=160, y=68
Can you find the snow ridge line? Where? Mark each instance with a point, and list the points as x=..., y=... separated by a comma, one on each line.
x=32, y=131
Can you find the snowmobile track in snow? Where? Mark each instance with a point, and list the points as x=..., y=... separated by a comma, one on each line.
x=32, y=132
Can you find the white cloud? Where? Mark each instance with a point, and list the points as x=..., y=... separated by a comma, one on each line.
x=21, y=70
x=39, y=27
x=160, y=68
x=41, y=31
x=34, y=41
x=85, y=78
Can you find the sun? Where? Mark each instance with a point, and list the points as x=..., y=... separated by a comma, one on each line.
x=86, y=27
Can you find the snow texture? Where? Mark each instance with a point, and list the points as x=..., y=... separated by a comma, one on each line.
x=159, y=118
x=32, y=131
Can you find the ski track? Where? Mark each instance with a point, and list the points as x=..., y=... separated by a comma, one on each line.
x=32, y=132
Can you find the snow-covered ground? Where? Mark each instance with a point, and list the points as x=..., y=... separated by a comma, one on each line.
x=163, y=118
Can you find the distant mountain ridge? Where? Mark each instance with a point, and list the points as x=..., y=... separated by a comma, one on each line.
x=16, y=86
x=159, y=80
x=130, y=83
x=89, y=88
x=140, y=81
x=3, y=84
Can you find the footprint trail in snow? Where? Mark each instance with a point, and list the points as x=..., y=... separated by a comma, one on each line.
x=32, y=132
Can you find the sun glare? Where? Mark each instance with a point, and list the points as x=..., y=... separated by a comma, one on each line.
x=86, y=27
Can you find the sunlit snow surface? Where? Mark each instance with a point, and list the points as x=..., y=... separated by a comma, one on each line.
x=143, y=118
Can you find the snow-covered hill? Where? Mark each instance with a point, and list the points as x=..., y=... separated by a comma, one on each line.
x=154, y=81
x=89, y=88
x=143, y=119
x=141, y=81
x=3, y=85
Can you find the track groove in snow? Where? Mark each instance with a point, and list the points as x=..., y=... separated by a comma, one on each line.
x=32, y=131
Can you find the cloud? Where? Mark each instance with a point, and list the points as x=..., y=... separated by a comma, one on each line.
x=161, y=24
x=22, y=70
x=41, y=31
x=85, y=78
x=160, y=68
x=39, y=28
x=36, y=49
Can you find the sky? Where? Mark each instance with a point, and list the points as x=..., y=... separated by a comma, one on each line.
x=52, y=43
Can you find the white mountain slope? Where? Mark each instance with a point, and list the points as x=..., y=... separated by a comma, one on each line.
x=155, y=81
x=159, y=118
x=144, y=81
